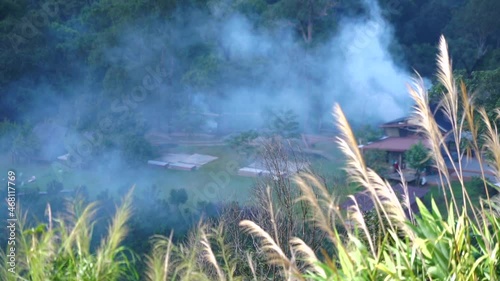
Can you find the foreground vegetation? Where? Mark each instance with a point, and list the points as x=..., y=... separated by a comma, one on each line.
x=324, y=244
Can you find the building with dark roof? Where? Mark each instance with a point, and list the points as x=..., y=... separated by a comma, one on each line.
x=402, y=133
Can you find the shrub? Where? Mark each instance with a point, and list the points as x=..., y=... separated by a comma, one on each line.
x=54, y=187
x=178, y=196
x=137, y=150
x=376, y=160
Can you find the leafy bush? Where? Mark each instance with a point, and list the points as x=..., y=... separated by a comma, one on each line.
x=178, y=196
x=7, y=132
x=368, y=133
x=418, y=157
x=242, y=141
x=284, y=123
x=137, y=150
x=484, y=187
x=376, y=160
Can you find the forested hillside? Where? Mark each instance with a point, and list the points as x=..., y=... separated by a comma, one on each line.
x=93, y=52
x=96, y=94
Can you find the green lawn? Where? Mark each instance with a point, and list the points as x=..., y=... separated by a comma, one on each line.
x=329, y=148
x=216, y=181
x=475, y=193
x=213, y=182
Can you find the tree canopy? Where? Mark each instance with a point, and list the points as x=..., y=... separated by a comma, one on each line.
x=163, y=60
x=418, y=157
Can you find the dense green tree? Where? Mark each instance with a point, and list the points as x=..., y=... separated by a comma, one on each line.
x=242, y=142
x=377, y=161
x=24, y=146
x=8, y=130
x=137, y=150
x=284, y=123
x=485, y=86
x=178, y=196
x=367, y=133
x=304, y=16
x=418, y=158
x=474, y=32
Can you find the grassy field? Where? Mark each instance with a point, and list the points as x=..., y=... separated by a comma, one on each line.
x=475, y=191
x=214, y=182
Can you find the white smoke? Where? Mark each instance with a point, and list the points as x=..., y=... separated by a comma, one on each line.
x=372, y=85
x=355, y=69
